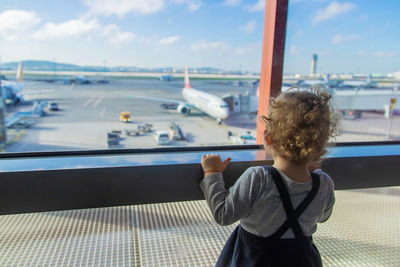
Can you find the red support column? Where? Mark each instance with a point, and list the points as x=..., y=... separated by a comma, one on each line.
x=272, y=57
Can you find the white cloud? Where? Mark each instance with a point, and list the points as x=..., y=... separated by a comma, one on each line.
x=71, y=28
x=121, y=38
x=204, y=46
x=115, y=36
x=148, y=40
x=249, y=27
x=362, y=53
x=192, y=5
x=305, y=1
x=339, y=38
x=169, y=40
x=294, y=50
x=385, y=54
x=122, y=7
x=17, y=20
x=258, y=6
x=248, y=49
x=232, y=2
x=82, y=27
x=331, y=11
x=10, y=37
x=298, y=34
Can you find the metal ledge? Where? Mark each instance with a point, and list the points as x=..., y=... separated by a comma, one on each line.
x=32, y=184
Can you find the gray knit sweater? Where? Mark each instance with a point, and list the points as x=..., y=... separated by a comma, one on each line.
x=255, y=201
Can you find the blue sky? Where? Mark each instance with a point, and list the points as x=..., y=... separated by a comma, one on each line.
x=348, y=36
x=359, y=36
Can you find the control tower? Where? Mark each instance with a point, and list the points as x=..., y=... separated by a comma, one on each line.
x=314, y=62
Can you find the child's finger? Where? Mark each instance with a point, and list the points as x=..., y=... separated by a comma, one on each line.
x=226, y=162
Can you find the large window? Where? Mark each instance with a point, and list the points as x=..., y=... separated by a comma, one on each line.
x=92, y=75
x=89, y=65
x=96, y=75
x=350, y=48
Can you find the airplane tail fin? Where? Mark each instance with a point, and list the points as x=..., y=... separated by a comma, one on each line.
x=187, y=84
x=327, y=78
x=20, y=74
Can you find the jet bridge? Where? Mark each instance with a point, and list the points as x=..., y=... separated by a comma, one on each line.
x=363, y=100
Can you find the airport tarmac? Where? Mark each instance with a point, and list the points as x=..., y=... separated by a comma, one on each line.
x=88, y=112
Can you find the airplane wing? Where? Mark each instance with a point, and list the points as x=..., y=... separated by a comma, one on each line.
x=161, y=100
x=16, y=87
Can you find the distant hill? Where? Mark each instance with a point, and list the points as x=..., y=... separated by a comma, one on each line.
x=44, y=65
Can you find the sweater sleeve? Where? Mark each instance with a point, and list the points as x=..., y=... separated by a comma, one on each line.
x=330, y=199
x=228, y=206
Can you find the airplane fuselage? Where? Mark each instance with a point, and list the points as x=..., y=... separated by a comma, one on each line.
x=210, y=104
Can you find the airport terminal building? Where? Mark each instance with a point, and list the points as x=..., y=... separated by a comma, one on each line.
x=82, y=202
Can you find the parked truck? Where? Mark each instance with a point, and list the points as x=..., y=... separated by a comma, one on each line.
x=125, y=116
x=113, y=138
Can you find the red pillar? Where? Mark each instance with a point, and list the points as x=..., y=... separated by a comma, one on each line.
x=272, y=57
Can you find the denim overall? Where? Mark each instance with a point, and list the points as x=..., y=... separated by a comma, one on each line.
x=243, y=249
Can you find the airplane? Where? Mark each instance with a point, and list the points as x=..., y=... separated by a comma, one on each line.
x=335, y=84
x=77, y=80
x=11, y=91
x=210, y=104
x=358, y=84
x=311, y=83
x=167, y=77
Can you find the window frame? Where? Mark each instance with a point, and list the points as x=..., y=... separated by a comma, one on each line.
x=93, y=186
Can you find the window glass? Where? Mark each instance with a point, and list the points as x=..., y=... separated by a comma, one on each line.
x=350, y=48
x=97, y=74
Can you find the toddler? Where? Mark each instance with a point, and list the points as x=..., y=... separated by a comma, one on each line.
x=278, y=206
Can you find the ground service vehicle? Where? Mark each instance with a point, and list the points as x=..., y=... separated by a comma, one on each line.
x=175, y=132
x=113, y=138
x=53, y=106
x=125, y=116
x=161, y=137
x=244, y=139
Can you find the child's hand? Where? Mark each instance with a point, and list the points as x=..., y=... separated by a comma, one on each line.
x=314, y=165
x=212, y=163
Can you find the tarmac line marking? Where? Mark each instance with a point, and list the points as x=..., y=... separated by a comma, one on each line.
x=98, y=101
x=101, y=114
x=89, y=101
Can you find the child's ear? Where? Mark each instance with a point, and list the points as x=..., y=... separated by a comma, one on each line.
x=267, y=138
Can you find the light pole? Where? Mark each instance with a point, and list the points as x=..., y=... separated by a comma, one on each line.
x=104, y=70
x=3, y=136
x=54, y=69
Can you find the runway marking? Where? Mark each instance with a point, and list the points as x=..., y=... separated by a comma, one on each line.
x=98, y=101
x=89, y=101
x=101, y=114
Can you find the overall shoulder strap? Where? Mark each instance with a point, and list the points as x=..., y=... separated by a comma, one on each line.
x=292, y=215
x=302, y=206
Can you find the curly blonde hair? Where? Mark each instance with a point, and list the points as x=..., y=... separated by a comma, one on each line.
x=300, y=123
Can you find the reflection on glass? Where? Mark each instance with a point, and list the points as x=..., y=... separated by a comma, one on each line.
x=89, y=75
x=350, y=49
